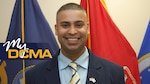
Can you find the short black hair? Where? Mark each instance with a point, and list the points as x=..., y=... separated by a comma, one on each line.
x=69, y=6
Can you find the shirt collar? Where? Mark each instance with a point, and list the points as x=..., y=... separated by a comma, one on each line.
x=82, y=61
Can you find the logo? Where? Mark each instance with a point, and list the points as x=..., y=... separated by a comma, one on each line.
x=144, y=62
x=17, y=50
x=144, y=68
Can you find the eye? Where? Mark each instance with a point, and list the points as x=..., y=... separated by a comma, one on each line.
x=65, y=25
x=79, y=24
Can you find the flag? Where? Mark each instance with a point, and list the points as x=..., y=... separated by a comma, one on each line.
x=29, y=24
x=144, y=58
x=108, y=42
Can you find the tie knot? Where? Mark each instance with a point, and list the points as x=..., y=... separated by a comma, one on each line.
x=73, y=65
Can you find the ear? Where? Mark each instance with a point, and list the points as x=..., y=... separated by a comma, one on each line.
x=56, y=28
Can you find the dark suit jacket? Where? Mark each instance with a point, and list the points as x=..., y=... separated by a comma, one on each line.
x=103, y=71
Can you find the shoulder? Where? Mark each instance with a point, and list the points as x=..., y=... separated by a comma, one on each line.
x=43, y=66
x=105, y=65
x=40, y=70
x=102, y=62
x=112, y=72
x=37, y=68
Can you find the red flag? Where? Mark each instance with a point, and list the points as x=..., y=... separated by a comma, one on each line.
x=108, y=42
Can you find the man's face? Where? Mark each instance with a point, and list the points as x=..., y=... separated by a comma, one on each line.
x=72, y=30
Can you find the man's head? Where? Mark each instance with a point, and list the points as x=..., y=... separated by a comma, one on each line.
x=72, y=28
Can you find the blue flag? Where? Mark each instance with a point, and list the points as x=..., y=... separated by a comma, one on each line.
x=36, y=30
x=144, y=58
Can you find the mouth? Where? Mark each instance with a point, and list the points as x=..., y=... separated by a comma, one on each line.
x=72, y=40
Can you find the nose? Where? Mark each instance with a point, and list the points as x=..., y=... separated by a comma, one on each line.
x=72, y=30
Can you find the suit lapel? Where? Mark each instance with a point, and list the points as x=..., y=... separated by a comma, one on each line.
x=95, y=71
x=53, y=72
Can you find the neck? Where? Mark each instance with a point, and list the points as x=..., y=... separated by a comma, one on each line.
x=73, y=55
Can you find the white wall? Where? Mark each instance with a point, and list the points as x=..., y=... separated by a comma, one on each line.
x=131, y=16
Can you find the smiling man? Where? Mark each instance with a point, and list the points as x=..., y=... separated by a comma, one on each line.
x=72, y=28
x=74, y=62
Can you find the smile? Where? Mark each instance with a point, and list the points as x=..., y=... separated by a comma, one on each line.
x=72, y=39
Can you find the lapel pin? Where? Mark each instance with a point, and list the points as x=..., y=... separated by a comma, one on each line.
x=92, y=79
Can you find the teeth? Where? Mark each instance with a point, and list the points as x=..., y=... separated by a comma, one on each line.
x=72, y=39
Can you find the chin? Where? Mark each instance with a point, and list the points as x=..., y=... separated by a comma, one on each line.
x=75, y=49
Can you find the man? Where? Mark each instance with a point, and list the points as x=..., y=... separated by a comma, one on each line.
x=72, y=28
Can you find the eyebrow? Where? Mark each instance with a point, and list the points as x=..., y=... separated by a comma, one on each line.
x=74, y=22
x=79, y=21
x=64, y=22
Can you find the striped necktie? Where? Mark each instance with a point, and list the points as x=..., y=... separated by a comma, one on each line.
x=75, y=79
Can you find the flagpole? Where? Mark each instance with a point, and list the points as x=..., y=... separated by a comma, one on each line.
x=89, y=36
x=23, y=40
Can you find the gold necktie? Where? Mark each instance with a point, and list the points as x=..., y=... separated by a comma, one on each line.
x=75, y=76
